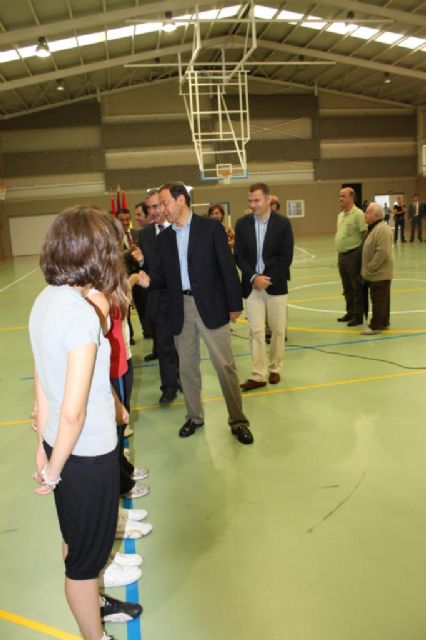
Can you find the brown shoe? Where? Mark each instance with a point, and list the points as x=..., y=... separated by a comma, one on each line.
x=250, y=384
x=274, y=378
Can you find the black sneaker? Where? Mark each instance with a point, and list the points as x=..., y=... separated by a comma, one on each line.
x=113, y=610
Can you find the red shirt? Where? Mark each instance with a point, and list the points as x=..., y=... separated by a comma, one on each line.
x=118, y=348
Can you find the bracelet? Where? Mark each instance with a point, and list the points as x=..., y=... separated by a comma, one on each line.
x=46, y=479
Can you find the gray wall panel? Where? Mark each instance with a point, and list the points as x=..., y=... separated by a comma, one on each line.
x=79, y=114
x=146, y=134
x=273, y=150
x=366, y=168
x=368, y=127
x=294, y=106
x=53, y=162
x=133, y=179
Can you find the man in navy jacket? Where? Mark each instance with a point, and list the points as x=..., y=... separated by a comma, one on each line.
x=264, y=252
x=196, y=268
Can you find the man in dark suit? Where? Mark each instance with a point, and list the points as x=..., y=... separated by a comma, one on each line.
x=264, y=252
x=163, y=343
x=195, y=267
x=416, y=213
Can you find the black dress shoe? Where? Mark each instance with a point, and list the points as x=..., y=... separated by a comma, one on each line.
x=189, y=428
x=355, y=323
x=150, y=356
x=344, y=318
x=169, y=394
x=243, y=434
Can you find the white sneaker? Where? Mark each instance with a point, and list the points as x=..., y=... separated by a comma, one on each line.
x=117, y=576
x=133, y=514
x=140, y=474
x=128, y=432
x=134, y=530
x=138, y=491
x=127, y=559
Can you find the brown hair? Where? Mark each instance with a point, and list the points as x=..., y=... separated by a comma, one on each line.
x=217, y=206
x=83, y=247
x=259, y=186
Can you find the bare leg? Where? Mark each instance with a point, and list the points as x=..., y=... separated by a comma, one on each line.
x=83, y=599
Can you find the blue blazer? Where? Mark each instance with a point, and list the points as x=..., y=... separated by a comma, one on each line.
x=277, y=252
x=212, y=273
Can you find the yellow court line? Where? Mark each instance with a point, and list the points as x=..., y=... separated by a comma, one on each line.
x=306, y=387
x=44, y=629
x=339, y=297
x=13, y=328
x=353, y=332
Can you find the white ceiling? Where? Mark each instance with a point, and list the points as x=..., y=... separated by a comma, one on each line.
x=381, y=37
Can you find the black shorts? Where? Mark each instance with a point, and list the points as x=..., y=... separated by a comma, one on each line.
x=87, y=501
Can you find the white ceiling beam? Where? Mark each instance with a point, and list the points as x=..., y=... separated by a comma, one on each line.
x=26, y=81
x=404, y=17
x=97, y=20
x=342, y=59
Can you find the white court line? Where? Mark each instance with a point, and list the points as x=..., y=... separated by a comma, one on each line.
x=19, y=279
x=306, y=253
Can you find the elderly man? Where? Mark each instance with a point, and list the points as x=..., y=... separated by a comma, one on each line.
x=377, y=267
x=351, y=229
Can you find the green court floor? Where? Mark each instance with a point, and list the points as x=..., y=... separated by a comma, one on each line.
x=316, y=532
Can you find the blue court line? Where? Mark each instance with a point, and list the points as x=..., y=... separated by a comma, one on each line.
x=134, y=631
x=368, y=340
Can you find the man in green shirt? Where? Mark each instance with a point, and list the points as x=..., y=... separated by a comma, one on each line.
x=351, y=229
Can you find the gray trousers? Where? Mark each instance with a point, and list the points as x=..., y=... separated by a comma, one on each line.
x=218, y=342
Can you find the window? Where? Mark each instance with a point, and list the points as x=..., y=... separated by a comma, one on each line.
x=296, y=208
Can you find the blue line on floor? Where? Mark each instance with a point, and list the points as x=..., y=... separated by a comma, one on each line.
x=134, y=630
x=299, y=348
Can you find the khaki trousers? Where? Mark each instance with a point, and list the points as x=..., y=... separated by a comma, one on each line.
x=262, y=307
x=218, y=342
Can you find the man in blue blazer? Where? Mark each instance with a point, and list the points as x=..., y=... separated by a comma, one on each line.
x=264, y=252
x=196, y=268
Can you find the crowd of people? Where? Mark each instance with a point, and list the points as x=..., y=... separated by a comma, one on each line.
x=180, y=271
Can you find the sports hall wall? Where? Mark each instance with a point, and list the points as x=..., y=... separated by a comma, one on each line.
x=302, y=145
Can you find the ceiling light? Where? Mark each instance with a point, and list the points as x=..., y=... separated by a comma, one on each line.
x=168, y=26
x=42, y=49
x=60, y=85
x=387, y=78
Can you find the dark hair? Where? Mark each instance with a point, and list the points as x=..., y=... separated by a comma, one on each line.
x=83, y=247
x=177, y=189
x=275, y=201
x=143, y=206
x=126, y=211
x=217, y=206
x=259, y=186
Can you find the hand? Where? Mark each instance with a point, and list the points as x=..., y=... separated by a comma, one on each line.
x=234, y=315
x=133, y=279
x=33, y=415
x=121, y=414
x=144, y=279
x=261, y=282
x=137, y=254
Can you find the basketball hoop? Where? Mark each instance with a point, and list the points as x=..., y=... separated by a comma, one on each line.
x=224, y=172
x=3, y=190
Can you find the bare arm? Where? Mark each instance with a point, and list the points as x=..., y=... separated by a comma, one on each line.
x=80, y=366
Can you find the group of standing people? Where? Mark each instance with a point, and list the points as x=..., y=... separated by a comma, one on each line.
x=185, y=264
x=365, y=260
